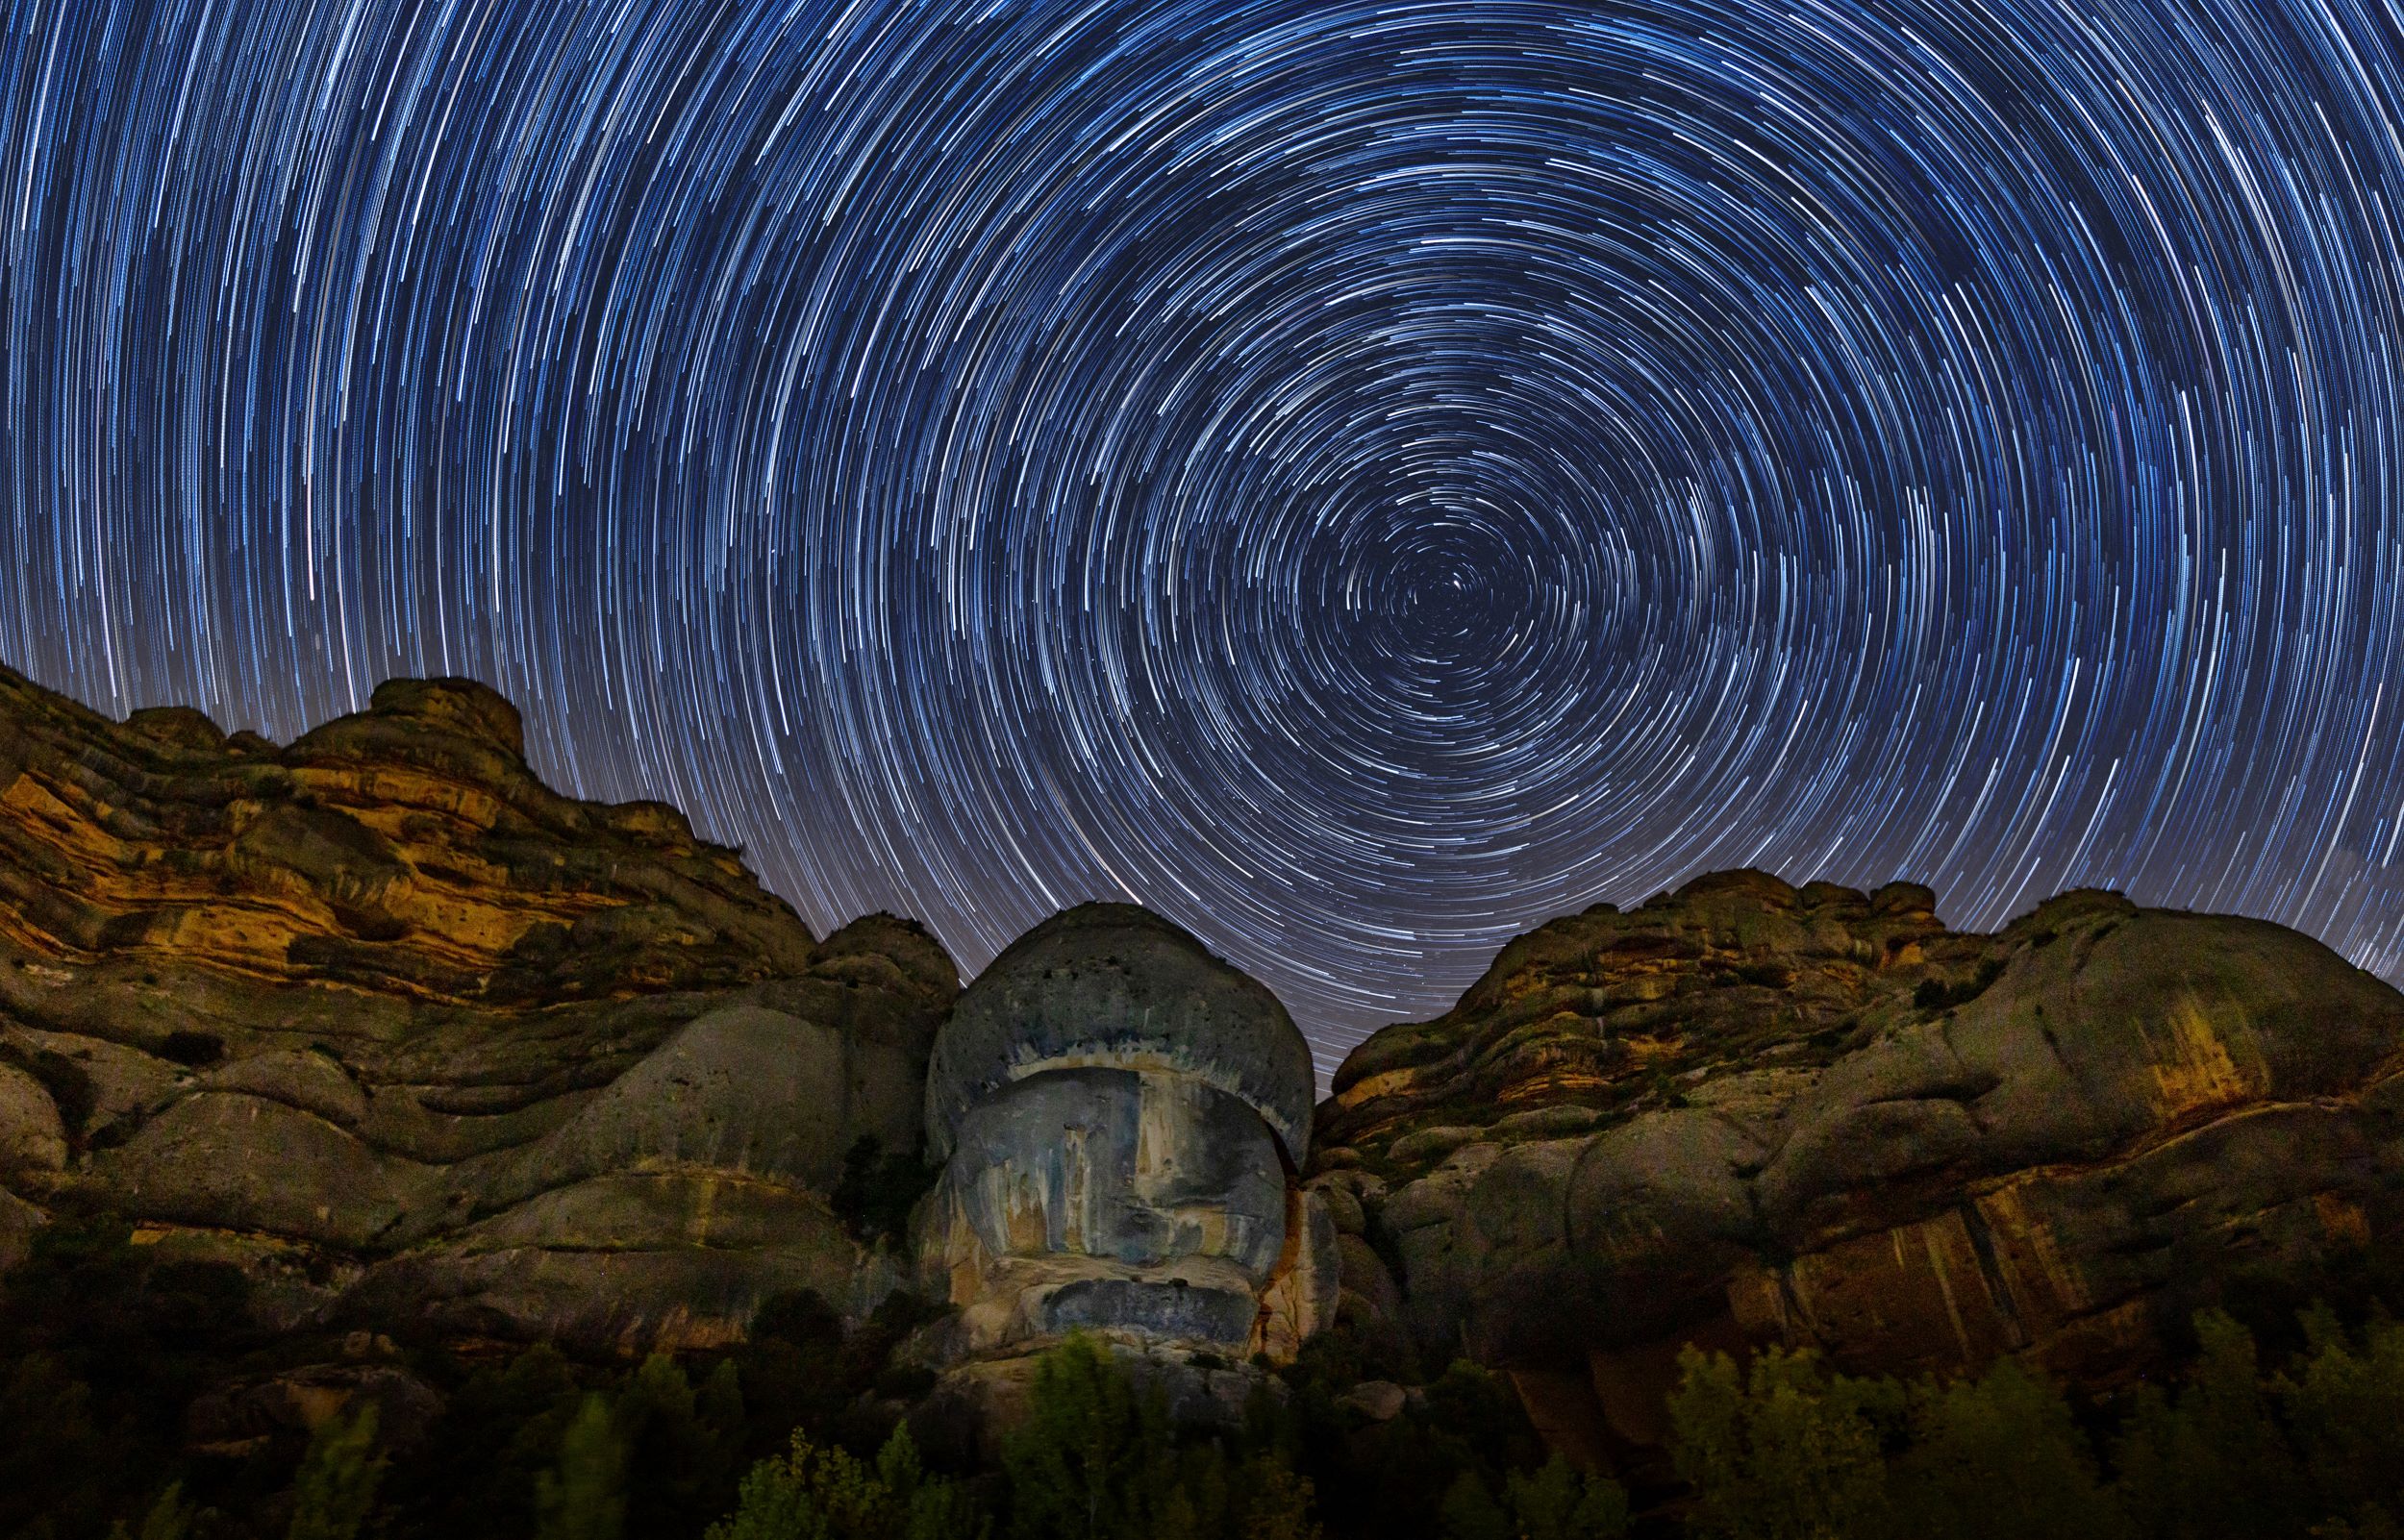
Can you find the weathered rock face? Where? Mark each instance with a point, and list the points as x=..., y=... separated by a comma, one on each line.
x=406, y=1033
x=1119, y=1115
x=1745, y=1113
x=388, y=1021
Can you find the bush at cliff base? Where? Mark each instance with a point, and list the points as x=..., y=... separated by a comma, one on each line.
x=104, y=1348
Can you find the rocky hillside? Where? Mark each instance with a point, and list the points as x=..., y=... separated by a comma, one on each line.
x=386, y=1019
x=1745, y=1112
x=410, y=1037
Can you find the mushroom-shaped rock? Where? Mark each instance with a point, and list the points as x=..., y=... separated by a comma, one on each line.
x=1117, y=985
x=1120, y=1115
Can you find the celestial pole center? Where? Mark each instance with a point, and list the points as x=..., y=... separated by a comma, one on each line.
x=1359, y=479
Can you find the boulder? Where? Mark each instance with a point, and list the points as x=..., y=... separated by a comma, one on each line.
x=227, y=1161
x=1110, y=984
x=631, y=1261
x=1120, y=1114
x=740, y=1088
x=240, y=1416
x=32, y=1138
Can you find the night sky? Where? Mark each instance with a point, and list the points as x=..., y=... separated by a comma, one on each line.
x=1359, y=479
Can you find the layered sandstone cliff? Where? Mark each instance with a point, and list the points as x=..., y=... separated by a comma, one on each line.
x=1745, y=1113
x=411, y=1036
x=392, y=1023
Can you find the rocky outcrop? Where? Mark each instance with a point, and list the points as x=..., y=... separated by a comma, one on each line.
x=1120, y=1115
x=241, y=1417
x=383, y=1018
x=410, y=1036
x=1745, y=1113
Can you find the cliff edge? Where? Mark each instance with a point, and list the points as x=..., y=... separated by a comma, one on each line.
x=387, y=1020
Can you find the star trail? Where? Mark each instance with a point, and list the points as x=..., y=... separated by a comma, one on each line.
x=1358, y=478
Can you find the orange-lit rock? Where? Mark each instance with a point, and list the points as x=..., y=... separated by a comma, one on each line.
x=391, y=1022
x=1745, y=1112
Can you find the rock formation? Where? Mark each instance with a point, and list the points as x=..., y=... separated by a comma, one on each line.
x=386, y=1019
x=413, y=1038
x=1120, y=1115
x=1745, y=1112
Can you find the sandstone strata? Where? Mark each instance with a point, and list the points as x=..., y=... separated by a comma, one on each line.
x=1745, y=1112
x=396, y=1026
x=412, y=1037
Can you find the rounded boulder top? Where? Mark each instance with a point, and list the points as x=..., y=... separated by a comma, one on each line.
x=1114, y=985
x=465, y=707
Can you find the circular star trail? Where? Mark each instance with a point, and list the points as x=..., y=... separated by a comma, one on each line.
x=1358, y=478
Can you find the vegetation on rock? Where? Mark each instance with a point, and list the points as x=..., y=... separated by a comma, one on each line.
x=392, y=1147
x=1789, y=1451
x=106, y=1354
x=874, y=1195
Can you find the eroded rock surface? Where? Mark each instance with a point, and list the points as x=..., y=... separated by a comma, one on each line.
x=383, y=1018
x=402, y=1031
x=1121, y=1116
x=1748, y=1113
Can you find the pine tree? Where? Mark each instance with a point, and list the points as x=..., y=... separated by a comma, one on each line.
x=170, y=1518
x=335, y=1488
x=2211, y=1464
x=682, y=1447
x=810, y=1493
x=929, y=1507
x=1470, y=1511
x=584, y=1497
x=1085, y=1465
x=2346, y=1407
x=1999, y=1458
x=1786, y=1453
x=1273, y=1501
x=1559, y=1503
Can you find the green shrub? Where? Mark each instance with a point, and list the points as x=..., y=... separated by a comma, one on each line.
x=584, y=1496
x=1935, y=994
x=1999, y=1458
x=810, y=1493
x=335, y=1491
x=1786, y=1453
